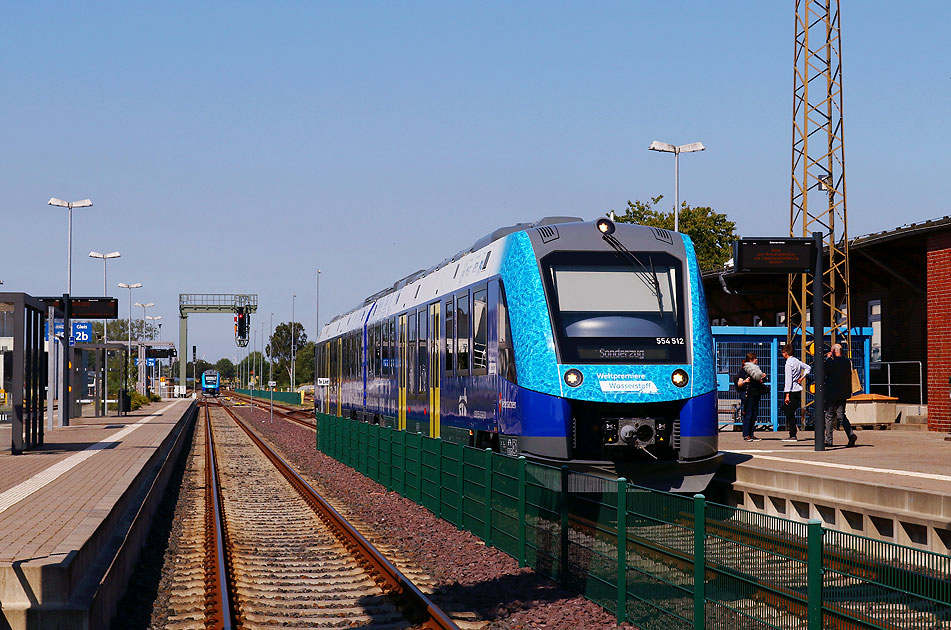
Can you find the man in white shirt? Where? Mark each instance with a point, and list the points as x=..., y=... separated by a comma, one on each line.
x=796, y=372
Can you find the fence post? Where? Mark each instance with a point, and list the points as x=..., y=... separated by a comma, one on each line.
x=403, y=463
x=814, y=575
x=621, y=550
x=488, y=496
x=521, y=509
x=699, y=561
x=419, y=469
x=389, y=457
x=564, y=525
x=437, y=489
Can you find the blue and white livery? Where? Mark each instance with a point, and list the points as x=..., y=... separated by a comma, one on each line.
x=563, y=339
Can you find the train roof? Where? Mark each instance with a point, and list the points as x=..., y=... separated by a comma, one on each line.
x=486, y=240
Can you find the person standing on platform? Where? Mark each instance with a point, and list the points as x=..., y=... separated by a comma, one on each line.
x=749, y=382
x=838, y=388
x=796, y=372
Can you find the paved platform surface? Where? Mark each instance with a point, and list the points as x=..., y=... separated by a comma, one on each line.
x=918, y=460
x=892, y=485
x=60, y=503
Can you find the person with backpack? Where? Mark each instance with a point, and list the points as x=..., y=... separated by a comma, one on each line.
x=750, y=382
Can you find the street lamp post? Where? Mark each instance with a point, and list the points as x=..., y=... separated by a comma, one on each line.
x=152, y=336
x=293, y=348
x=316, y=335
x=69, y=205
x=105, y=330
x=142, y=361
x=676, y=150
x=125, y=380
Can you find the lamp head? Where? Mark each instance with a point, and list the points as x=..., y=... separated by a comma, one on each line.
x=605, y=226
x=662, y=146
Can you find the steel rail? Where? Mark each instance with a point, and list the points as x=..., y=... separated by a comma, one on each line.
x=387, y=576
x=281, y=410
x=219, y=609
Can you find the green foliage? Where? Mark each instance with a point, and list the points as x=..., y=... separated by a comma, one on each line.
x=304, y=367
x=137, y=400
x=225, y=367
x=712, y=232
x=279, y=349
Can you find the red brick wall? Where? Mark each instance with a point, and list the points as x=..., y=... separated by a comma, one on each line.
x=939, y=332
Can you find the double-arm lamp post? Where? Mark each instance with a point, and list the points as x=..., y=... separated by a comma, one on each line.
x=676, y=150
x=69, y=205
x=123, y=285
x=105, y=331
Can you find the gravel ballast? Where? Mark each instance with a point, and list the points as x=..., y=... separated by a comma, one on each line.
x=465, y=571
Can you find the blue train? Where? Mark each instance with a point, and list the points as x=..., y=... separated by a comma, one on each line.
x=564, y=340
x=210, y=383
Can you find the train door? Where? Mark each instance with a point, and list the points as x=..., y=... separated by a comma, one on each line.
x=326, y=406
x=435, y=370
x=339, y=377
x=401, y=378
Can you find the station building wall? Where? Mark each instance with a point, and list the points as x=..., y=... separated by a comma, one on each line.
x=939, y=332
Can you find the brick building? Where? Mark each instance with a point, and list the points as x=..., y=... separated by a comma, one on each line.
x=900, y=285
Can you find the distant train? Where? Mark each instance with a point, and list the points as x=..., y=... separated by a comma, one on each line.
x=563, y=340
x=210, y=382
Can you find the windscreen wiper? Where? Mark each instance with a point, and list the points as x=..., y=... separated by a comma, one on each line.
x=645, y=274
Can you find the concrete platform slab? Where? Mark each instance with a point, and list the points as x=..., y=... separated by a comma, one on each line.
x=892, y=485
x=68, y=509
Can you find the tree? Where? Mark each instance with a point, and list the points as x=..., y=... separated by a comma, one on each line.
x=712, y=233
x=225, y=368
x=305, y=363
x=280, y=347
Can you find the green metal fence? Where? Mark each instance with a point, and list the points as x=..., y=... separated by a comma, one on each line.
x=289, y=398
x=682, y=563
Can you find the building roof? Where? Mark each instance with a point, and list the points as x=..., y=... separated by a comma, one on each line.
x=910, y=229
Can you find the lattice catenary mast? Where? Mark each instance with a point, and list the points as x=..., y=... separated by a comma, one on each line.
x=817, y=196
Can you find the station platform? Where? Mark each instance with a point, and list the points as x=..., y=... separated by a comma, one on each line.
x=892, y=485
x=74, y=512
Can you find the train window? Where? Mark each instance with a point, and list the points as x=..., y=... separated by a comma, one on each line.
x=393, y=346
x=411, y=352
x=385, y=349
x=462, y=333
x=378, y=350
x=506, y=350
x=401, y=344
x=608, y=309
x=450, y=338
x=480, y=328
x=423, y=319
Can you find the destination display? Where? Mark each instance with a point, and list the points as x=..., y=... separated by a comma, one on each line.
x=774, y=255
x=86, y=307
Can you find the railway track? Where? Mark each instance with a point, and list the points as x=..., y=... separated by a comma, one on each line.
x=288, y=559
x=303, y=417
x=739, y=555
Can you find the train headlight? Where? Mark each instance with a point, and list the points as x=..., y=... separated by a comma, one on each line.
x=605, y=226
x=679, y=377
x=574, y=377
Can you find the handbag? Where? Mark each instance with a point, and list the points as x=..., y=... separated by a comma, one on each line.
x=856, y=382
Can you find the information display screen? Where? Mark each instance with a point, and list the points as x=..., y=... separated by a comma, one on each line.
x=774, y=255
x=86, y=307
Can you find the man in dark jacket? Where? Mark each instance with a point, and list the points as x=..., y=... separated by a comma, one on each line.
x=837, y=388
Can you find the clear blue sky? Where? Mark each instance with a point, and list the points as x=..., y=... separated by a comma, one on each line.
x=238, y=147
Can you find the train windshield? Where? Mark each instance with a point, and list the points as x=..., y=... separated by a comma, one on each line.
x=609, y=310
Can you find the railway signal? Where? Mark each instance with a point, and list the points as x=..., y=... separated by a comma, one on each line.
x=241, y=326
